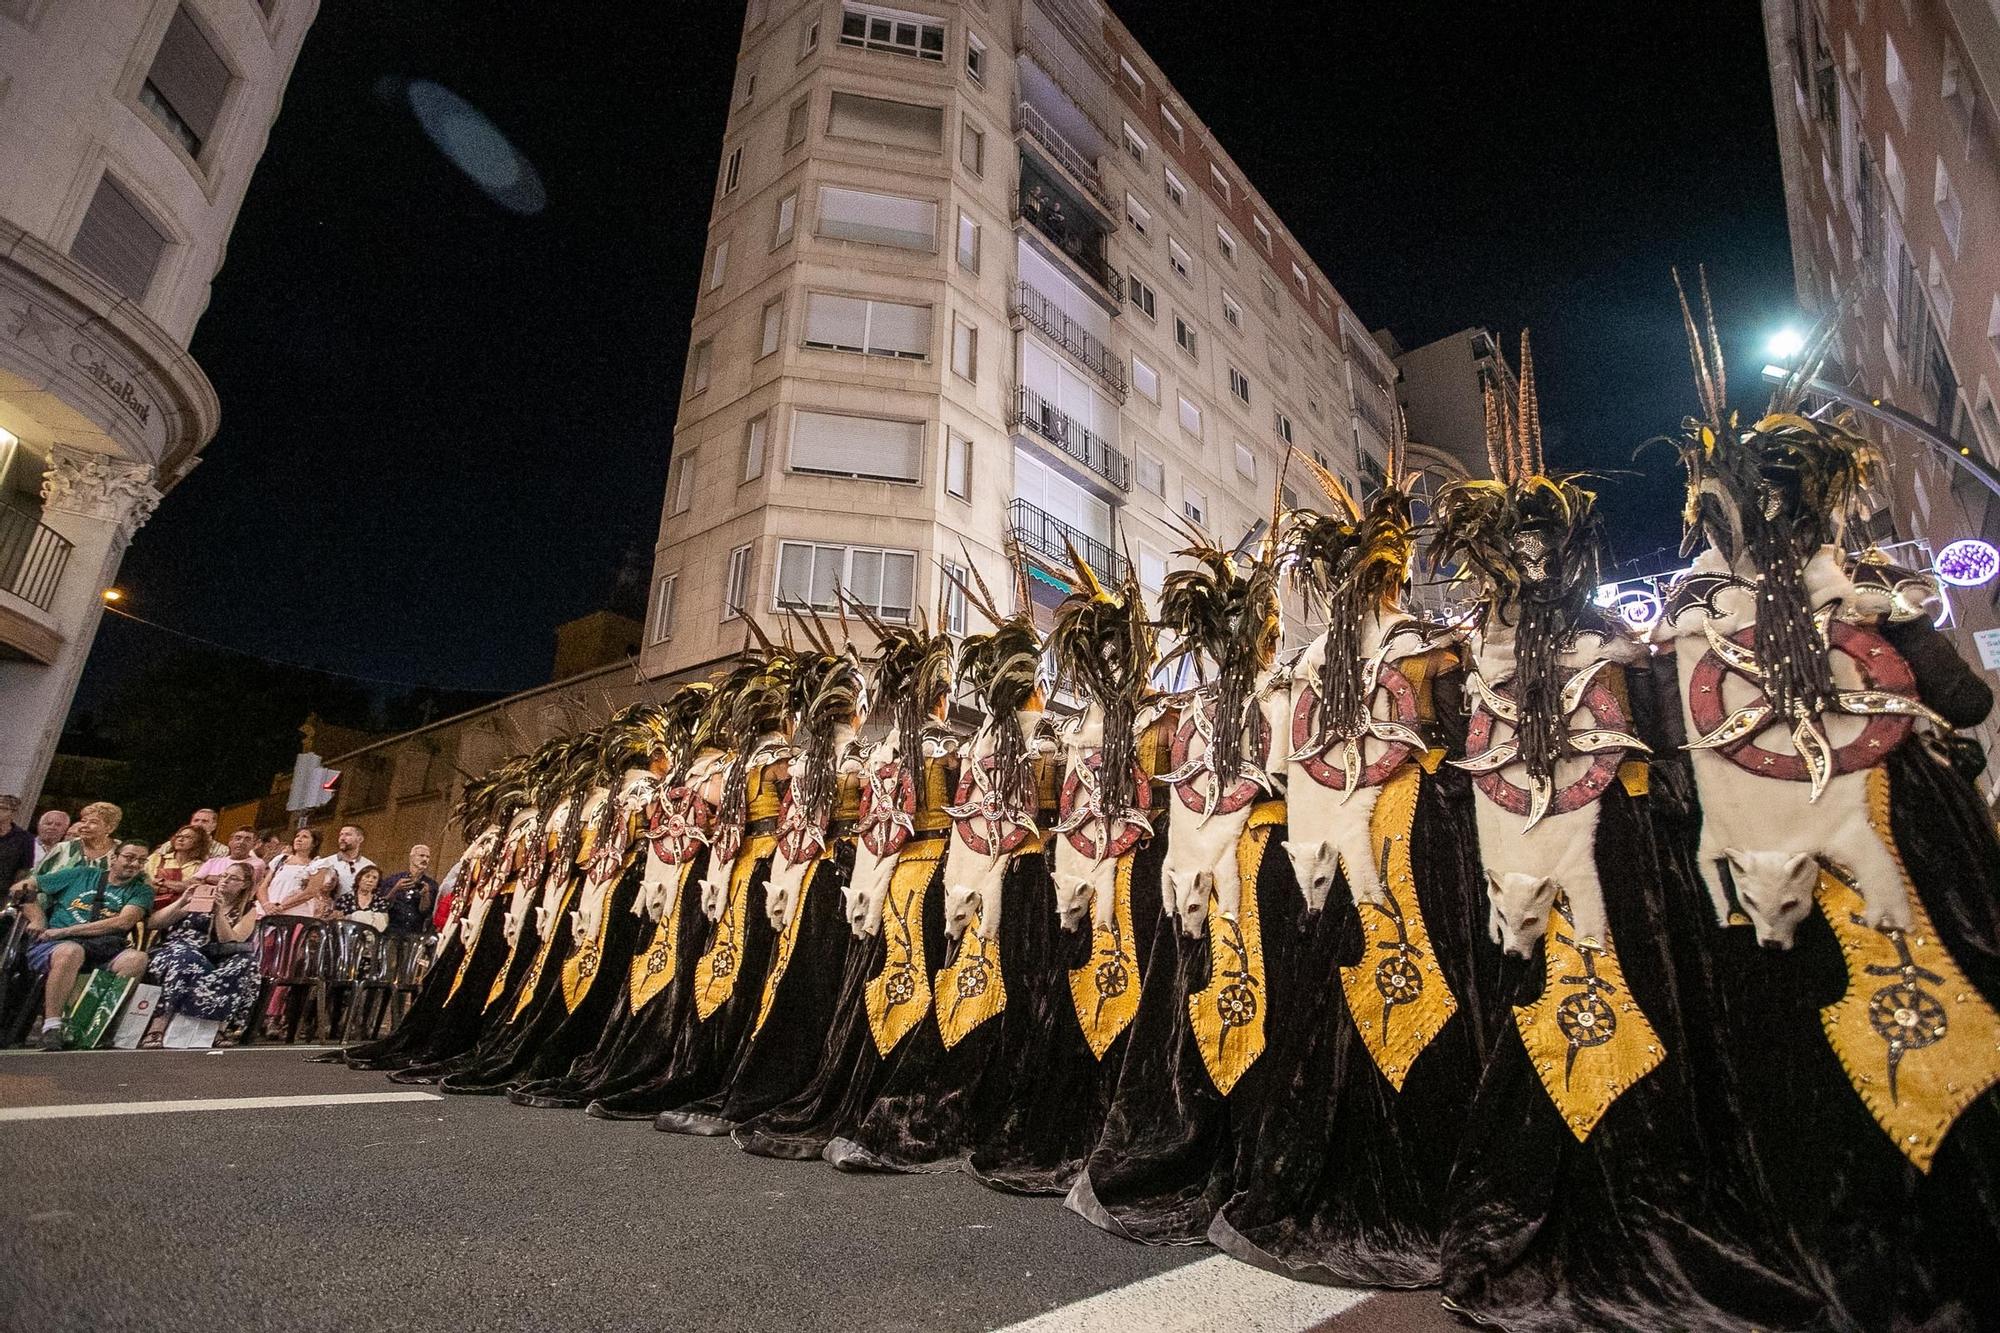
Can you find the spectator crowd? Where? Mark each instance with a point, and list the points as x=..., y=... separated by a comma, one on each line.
x=184, y=914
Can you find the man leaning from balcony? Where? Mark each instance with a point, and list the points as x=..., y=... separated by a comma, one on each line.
x=80, y=917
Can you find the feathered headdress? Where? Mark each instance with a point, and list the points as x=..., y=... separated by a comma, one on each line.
x=676, y=725
x=912, y=673
x=1103, y=646
x=1003, y=669
x=1772, y=493
x=1231, y=620
x=827, y=693
x=760, y=696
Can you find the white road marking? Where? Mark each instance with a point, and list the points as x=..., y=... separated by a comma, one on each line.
x=1212, y=1293
x=81, y=1109
x=30, y=1053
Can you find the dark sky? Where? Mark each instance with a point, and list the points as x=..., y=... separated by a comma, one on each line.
x=444, y=424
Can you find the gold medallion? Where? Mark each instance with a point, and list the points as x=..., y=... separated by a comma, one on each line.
x=1106, y=988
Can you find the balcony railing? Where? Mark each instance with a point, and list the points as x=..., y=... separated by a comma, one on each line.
x=1082, y=246
x=1049, y=537
x=1072, y=337
x=32, y=557
x=1371, y=412
x=1042, y=417
x=1065, y=154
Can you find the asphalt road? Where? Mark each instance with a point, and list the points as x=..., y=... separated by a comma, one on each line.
x=471, y=1213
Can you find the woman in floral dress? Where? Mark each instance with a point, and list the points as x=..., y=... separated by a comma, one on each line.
x=207, y=966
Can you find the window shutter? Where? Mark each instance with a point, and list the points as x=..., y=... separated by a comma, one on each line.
x=903, y=330
x=878, y=219
x=867, y=447
x=190, y=75
x=118, y=242
x=897, y=124
x=837, y=321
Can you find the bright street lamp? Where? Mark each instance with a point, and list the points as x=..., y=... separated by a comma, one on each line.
x=1785, y=344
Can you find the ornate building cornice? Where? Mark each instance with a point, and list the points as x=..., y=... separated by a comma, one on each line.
x=92, y=485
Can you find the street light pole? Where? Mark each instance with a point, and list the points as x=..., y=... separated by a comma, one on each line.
x=1958, y=455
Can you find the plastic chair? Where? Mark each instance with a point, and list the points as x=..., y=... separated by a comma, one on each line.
x=388, y=990
x=352, y=955
x=291, y=958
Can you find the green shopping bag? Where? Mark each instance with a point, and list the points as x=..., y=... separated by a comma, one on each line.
x=95, y=1006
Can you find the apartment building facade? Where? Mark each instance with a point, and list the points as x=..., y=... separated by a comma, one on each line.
x=1890, y=144
x=128, y=135
x=979, y=282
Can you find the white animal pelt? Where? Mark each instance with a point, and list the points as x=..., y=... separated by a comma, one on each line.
x=1200, y=861
x=518, y=830
x=658, y=881
x=456, y=883
x=1329, y=829
x=973, y=879
x=1525, y=867
x=1771, y=832
x=607, y=857
x=788, y=877
x=868, y=886
x=555, y=879
x=769, y=749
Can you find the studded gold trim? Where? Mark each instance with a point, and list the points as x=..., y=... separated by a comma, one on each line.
x=1397, y=994
x=970, y=989
x=716, y=971
x=1228, y=1013
x=547, y=947
x=1586, y=1036
x=1636, y=777
x=788, y=939
x=1106, y=988
x=900, y=994
x=653, y=971
x=1918, y=1043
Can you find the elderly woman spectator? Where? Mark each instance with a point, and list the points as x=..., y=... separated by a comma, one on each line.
x=365, y=900
x=207, y=966
x=177, y=860
x=90, y=842
x=289, y=887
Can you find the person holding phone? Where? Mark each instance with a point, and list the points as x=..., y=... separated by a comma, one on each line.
x=207, y=966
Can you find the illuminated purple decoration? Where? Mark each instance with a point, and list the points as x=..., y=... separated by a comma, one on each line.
x=1968, y=562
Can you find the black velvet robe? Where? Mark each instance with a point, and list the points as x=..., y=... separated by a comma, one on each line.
x=851, y=1070
x=781, y=1055
x=1167, y=1158
x=444, y=1023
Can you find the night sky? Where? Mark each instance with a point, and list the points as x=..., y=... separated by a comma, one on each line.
x=445, y=424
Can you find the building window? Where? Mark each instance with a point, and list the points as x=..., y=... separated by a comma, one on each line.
x=186, y=86
x=1225, y=242
x=1173, y=124
x=796, y=121
x=1270, y=295
x=1892, y=172
x=971, y=147
x=1239, y=384
x=1135, y=145
x=1194, y=504
x=1283, y=425
x=749, y=88
x=877, y=120
x=680, y=486
x=663, y=608
x=1279, y=371
x=957, y=466
x=1136, y=214
x=1176, y=189
x=118, y=241
x=698, y=365
x=1304, y=283
x=1263, y=233
x=1133, y=78
x=892, y=30
x=1942, y=299
x=953, y=577
x=1232, y=312
x=809, y=39
x=774, y=326
x=1896, y=79
x=1151, y=473
x=754, y=437
x=718, y=266
x=736, y=584
x=1190, y=417
x=1220, y=182
x=975, y=58
x=732, y=171
x=1325, y=309
x=1152, y=567
x=1178, y=261
x=813, y=575
x=1143, y=297
x=1951, y=217
x=877, y=219
x=788, y=216
x=1185, y=337
x=877, y=328
x=968, y=243
x=1145, y=379
x=1246, y=462
x=965, y=350
x=864, y=448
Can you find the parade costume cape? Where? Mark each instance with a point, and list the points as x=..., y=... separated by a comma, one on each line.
x=1398, y=1000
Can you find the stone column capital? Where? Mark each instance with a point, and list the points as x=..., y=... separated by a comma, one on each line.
x=89, y=484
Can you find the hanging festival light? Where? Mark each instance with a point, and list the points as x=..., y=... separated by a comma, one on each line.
x=1968, y=562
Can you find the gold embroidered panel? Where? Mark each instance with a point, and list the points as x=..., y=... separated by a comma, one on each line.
x=1106, y=988
x=542, y=952
x=1918, y=1043
x=653, y=970
x=715, y=972
x=970, y=989
x=1397, y=995
x=899, y=995
x=1586, y=1036
x=1228, y=1013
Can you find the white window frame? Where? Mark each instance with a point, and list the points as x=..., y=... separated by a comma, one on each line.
x=1282, y=425
x=1142, y=371
x=1187, y=337
x=809, y=39
x=1173, y=124
x=867, y=347
x=1194, y=503
x=772, y=334
x=736, y=583
x=968, y=255
x=1223, y=189
x=1263, y=232
x=898, y=616
x=1232, y=311
x=718, y=265
x=1180, y=261
x=1135, y=144
x=663, y=607
x=680, y=487
x=958, y=465
x=1137, y=214
x=756, y=445
x=1302, y=282
x=952, y=581
x=1246, y=461
x=965, y=350
x=975, y=59
x=971, y=146
x=892, y=47
x=701, y=366
x=1176, y=188
x=1133, y=77
x=1225, y=242
x=1239, y=386
x=1142, y=294
x=1190, y=408
x=785, y=222
x=732, y=171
